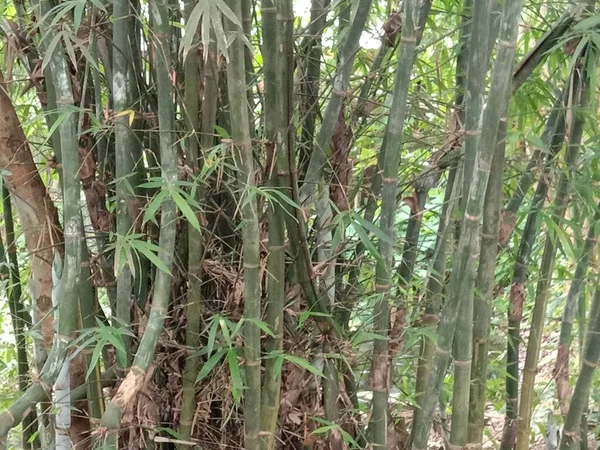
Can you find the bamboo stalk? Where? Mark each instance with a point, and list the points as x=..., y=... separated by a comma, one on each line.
x=570, y=439
x=162, y=283
x=553, y=136
x=9, y=271
x=195, y=251
x=393, y=142
x=580, y=94
x=561, y=367
x=435, y=285
x=277, y=45
x=484, y=290
x=122, y=85
x=479, y=58
x=242, y=150
x=345, y=66
x=312, y=70
x=464, y=265
x=480, y=49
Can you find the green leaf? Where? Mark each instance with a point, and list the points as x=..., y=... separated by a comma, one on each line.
x=307, y=314
x=50, y=50
x=364, y=238
x=262, y=325
x=212, y=334
x=152, y=208
x=225, y=330
x=209, y=365
x=145, y=248
x=222, y=132
x=185, y=209
x=236, y=376
x=304, y=364
x=372, y=228
x=95, y=358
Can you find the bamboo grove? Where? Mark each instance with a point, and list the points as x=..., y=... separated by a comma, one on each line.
x=310, y=224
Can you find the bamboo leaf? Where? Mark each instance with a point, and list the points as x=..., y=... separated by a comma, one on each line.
x=145, y=249
x=48, y=56
x=94, y=358
x=185, y=209
x=212, y=334
x=209, y=365
x=304, y=364
x=191, y=27
x=236, y=376
x=262, y=325
x=78, y=15
x=225, y=330
x=152, y=209
x=364, y=238
x=372, y=228
x=227, y=12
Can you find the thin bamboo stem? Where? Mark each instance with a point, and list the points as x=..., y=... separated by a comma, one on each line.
x=9, y=271
x=195, y=250
x=244, y=161
x=570, y=439
x=393, y=143
x=561, y=367
x=345, y=66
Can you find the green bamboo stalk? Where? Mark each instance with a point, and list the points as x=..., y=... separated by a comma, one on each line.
x=162, y=282
x=570, y=439
x=509, y=215
x=393, y=142
x=242, y=150
x=553, y=137
x=475, y=87
x=484, y=290
x=310, y=99
x=345, y=66
x=561, y=367
x=195, y=251
x=9, y=271
x=88, y=304
x=277, y=43
x=479, y=56
x=435, y=285
x=464, y=265
x=122, y=85
x=331, y=392
x=580, y=98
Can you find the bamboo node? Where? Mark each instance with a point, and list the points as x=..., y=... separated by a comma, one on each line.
x=473, y=133
x=459, y=363
x=590, y=364
x=473, y=218
x=507, y=43
x=249, y=363
x=7, y=412
x=409, y=39
x=383, y=287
